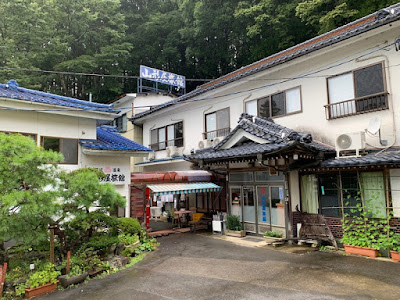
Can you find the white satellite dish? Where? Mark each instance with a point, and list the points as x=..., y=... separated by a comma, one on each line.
x=374, y=125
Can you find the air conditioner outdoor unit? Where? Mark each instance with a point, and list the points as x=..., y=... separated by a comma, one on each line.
x=216, y=140
x=354, y=141
x=155, y=212
x=204, y=144
x=173, y=151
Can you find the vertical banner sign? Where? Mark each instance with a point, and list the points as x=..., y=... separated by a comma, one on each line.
x=162, y=77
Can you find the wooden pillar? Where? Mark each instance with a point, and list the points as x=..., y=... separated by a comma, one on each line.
x=52, y=245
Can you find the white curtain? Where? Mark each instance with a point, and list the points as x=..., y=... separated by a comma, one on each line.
x=373, y=190
x=309, y=194
x=251, y=107
x=341, y=88
x=293, y=102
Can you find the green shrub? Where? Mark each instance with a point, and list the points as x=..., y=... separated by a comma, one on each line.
x=273, y=234
x=128, y=239
x=128, y=226
x=233, y=223
x=128, y=252
x=102, y=242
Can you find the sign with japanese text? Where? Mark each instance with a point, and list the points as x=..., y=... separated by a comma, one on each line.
x=162, y=77
x=114, y=174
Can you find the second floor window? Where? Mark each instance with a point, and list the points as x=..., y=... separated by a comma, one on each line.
x=217, y=124
x=280, y=104
x=120, y=123
x=68, y=147
x=171, y=135
x=357, y=92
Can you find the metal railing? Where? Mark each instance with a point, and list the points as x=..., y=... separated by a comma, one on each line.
x=357, y=106
x=210, y=135
x=178, y=142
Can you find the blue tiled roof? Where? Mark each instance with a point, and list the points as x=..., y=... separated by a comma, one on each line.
x=12, y=90
x=109, y=139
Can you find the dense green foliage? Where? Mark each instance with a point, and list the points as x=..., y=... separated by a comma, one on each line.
x=195, y=38
x=233, y=223
x=35, y=194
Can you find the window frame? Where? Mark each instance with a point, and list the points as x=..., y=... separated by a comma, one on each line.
x=124, y=121
x=357, y=99
x=62, y=138
x=340, y=191
x=225, y=130
x=269, y=97
x=156, y=145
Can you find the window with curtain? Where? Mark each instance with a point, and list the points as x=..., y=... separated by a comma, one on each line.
x=357, y=91
x=373, y=191
x=340, y=194
x=217, y=124
x=68, y=147
x=309, y=193
x=280, y=104
x=171, y=135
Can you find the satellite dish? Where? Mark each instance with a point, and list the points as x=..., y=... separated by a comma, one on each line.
x=374, y=125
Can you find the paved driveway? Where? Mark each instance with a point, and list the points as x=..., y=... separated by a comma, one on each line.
x=191, y=266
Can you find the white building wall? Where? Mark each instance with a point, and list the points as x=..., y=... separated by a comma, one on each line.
x=357, y=52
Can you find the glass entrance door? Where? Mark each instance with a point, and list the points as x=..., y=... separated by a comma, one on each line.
x=271, y=207
x=249, y=209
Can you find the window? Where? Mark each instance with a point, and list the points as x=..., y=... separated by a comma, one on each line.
x=341, y=193
x=171, y=135
x=120, y=123
x=356, y=92
x=217, y=124
x=67, y=147
x=276, y=105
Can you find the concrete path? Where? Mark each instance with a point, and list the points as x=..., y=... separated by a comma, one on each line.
x=194, y=266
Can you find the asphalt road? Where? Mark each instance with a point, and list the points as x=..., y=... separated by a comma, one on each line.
x=191, y=266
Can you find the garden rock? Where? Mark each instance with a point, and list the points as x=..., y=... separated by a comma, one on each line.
x=119, y=249
x=118, y=262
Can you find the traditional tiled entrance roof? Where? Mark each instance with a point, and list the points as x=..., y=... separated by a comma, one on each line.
x=372, y=21
x=277, y=139
x=12, y=90
x=389, y=157
x=109, y=139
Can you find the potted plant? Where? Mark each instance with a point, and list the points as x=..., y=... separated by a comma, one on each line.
x=234, y=226
x=364, y=235
x=394, y=246
x=39, y=283
x=271, y=236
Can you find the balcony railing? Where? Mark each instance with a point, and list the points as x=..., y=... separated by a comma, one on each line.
x=178, y=142
x=357, y=106
x=210, y=135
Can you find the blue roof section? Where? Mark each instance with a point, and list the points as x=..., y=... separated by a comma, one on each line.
x=109, y=139
x=12, y=90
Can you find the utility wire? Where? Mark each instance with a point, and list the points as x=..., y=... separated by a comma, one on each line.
x=302, y=76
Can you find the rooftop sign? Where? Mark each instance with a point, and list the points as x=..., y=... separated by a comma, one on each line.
x=162, y=77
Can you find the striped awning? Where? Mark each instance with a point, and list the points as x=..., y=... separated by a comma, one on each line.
x=183, y=188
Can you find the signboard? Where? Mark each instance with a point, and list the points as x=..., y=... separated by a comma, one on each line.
x=114, y=174
x=162, y=77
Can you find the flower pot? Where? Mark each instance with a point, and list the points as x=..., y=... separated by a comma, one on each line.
x=40, y=290
x=395, y=255
x=66, y=281
x=234, y=233
x=361, y=251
